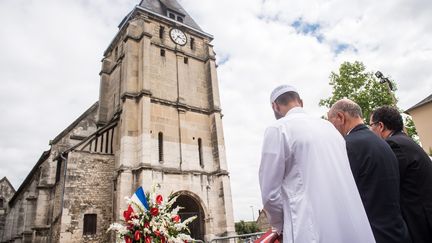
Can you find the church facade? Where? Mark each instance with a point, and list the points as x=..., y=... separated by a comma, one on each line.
x=158, y=122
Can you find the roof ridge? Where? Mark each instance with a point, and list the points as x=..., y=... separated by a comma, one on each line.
x=421, y=103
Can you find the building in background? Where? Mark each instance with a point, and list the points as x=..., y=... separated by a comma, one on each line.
x=6, y=193
x=158, y=120
x=422, y=116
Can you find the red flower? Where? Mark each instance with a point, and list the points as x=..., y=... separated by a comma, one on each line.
x=137, y=235
x=162, y=239
x=176, y=218
x=157, y=233
x=146, y=225
x=148, y=239
x=159, y=199
x=127, y=214
x=154, y=211
x=128, y=239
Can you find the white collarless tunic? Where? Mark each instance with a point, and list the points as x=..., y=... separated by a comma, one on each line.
x=307, y=187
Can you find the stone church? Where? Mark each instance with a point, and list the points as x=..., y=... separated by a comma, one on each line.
x=158, y=122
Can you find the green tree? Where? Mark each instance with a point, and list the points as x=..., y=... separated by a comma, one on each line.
x=355, y=83
x=411, y=129
x=243, y=227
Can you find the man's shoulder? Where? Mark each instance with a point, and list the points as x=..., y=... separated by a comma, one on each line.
x=364, y=137
x=401, y=139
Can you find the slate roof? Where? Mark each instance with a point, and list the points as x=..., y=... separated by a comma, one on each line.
x=421, y=103
x=161, y=6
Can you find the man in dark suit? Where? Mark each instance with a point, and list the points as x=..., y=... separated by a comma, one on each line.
x=415, y=168
x=375, y=170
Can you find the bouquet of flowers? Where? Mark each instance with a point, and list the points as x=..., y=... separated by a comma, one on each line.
x=149, y=218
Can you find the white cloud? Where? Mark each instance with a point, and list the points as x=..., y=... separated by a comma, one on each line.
x=51, y=51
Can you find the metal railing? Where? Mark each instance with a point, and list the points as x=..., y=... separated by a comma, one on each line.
x=246, y=238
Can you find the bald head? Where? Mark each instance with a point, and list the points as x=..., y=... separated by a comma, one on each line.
x=345, y=114
x=346, y=106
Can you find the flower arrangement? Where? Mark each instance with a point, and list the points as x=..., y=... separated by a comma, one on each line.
x=149, y=218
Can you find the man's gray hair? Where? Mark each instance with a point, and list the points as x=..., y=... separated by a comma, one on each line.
x=347, y=106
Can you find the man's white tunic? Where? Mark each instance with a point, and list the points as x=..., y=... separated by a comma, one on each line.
x=307, y=187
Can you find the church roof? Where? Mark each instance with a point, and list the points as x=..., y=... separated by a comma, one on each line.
x=162, y=6
x=30, y=176
x=421, y=103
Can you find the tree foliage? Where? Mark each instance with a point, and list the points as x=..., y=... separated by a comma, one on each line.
x=411, y=129
x=355, y=83
x=243, y=227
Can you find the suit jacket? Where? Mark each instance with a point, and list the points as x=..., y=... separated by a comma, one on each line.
x=376, y=172
x=415, y=168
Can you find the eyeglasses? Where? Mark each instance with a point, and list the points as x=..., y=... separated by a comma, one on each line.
x=373, y=123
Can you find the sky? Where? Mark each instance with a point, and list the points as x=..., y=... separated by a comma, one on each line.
x=50, y=53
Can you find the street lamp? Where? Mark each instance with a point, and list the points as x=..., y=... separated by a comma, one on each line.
x=253, y=215
x=389, y=85
x=383, y=80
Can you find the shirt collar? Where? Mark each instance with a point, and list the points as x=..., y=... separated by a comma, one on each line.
x=294, y=110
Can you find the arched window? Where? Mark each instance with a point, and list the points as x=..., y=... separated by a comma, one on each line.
x=160, y=146
x=1, y=203
x=200, y=153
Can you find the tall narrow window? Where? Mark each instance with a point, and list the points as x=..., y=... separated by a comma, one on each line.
x=1, y=203
x=162, y=52
x=90, y=223
x=161, y=32
x=192, y=43
x=200, y=154
x=185, y=60
x=160, y=143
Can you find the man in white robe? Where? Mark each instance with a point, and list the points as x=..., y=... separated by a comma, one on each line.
x=307, y=187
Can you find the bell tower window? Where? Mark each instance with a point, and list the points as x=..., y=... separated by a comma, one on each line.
x=176, y=16
x=161, y=32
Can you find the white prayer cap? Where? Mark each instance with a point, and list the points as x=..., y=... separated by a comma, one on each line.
x=281, y=90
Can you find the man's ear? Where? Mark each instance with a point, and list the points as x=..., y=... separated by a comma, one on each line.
x=275, y=106
x=341, y=116
x=381, y=126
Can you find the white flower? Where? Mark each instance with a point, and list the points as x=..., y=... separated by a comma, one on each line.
x=135, y=222
x=119, y=228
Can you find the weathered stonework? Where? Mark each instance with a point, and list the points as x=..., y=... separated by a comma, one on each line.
x=158, y=122
x=6, y=193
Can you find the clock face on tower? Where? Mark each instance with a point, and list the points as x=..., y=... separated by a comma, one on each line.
x=178, y=36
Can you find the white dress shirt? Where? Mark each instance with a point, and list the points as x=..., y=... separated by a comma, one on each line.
x=307, y=187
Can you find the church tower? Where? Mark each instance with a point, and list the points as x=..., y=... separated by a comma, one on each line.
x=159, y=114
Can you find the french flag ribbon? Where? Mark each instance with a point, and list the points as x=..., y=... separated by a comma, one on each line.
x=139, y=199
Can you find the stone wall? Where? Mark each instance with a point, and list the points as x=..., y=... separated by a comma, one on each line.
x=88, y=190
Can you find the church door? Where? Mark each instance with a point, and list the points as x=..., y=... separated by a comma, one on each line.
x=191, y=208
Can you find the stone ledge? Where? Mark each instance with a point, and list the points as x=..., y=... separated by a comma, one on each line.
x=174, y=171
x=45, y=186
